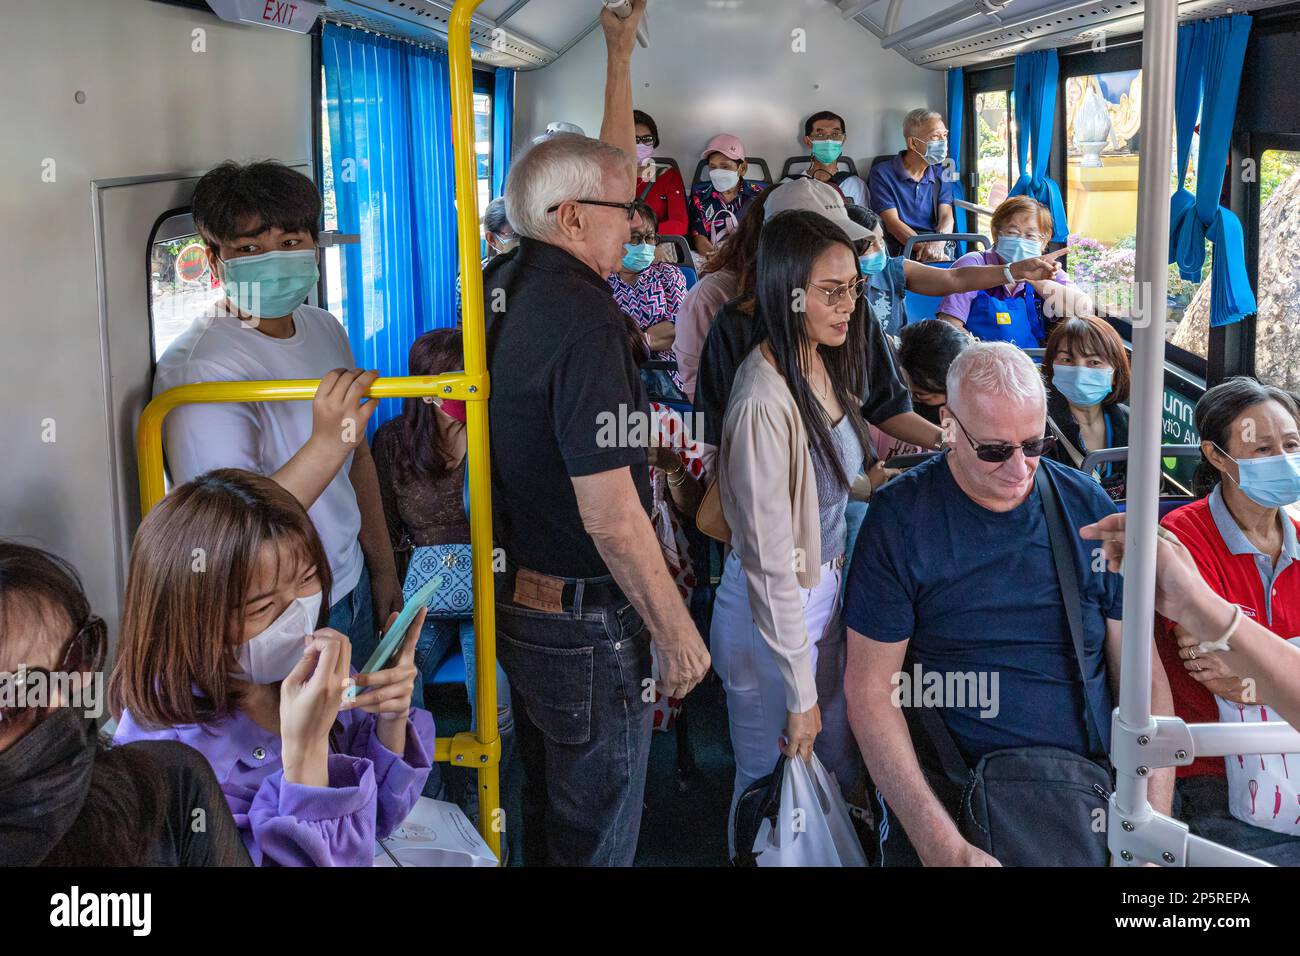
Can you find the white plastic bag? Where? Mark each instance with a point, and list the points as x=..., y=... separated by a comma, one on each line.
x=812, y=826
x=434, y=833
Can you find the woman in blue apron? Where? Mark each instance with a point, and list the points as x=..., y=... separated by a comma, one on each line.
x=1015, y=311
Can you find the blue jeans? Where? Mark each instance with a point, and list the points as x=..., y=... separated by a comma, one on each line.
x=583, y=728
x=353, y=614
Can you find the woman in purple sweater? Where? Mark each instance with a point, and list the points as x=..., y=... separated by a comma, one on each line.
x=221, y=648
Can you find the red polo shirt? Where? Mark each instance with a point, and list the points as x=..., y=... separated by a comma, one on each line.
x=1236, y=570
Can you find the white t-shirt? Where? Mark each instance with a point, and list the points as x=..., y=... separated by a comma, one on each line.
x=261, y=436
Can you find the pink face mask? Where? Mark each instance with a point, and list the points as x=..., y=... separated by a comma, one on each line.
x=454, y=409
x=643, y=152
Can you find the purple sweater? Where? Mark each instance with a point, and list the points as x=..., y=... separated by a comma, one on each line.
x=370, y=792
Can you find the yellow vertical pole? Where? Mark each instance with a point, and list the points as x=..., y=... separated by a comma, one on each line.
x=491, y=823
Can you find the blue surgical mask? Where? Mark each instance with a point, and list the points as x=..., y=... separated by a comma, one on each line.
x=638, y=256
x=1273, y=482
x=1082, y=386
x=1016, y=248
x=873, y=263
x=936, y=151
x=271, y=284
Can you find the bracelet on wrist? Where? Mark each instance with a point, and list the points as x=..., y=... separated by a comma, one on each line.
x=1209, y=647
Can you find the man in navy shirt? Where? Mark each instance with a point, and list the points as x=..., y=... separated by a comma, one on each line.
x=954, y=559
x=910, y=192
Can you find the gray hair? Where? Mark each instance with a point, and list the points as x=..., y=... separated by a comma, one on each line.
x=914, y=120
x=565, y=166
x=495, y=219
x=997, y=369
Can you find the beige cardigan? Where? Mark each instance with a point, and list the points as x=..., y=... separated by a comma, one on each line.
x=769, y=498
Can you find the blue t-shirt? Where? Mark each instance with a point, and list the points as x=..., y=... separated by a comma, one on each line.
x=976, y=592
x=891, y=186
x=885, y=292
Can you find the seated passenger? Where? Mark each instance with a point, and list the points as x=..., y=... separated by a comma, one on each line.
x=889, y=279
x=910, y=192
x=660, y=184
x=792, y=448
x=67, y=799
x=1086, y=366
x=1016, y=311
x=259, y=223
x=954, y=565
x=823, y=137
x=726, y=272
x=715, y=207
x=1245, y=546
x=420, y=459
x=651, y=293
x=926, y=352
x=235, y=661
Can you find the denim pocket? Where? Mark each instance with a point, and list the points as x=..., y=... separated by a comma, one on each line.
x=557, y=689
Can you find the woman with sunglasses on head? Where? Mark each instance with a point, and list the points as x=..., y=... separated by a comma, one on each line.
x=66, y=798
x=792, y=451
x=222, y=648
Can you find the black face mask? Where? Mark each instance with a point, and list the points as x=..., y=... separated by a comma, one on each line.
x=44, y=777
x=929, y=412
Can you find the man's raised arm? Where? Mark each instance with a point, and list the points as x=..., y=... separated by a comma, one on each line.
x=617, y=128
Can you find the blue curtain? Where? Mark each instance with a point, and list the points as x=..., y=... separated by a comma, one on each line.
x=389, y=108
x=503, y=121
x=956, y=113
x=1034, y=87
x=1210, y=56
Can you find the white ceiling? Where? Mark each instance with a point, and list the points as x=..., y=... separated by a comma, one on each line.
x=527, y=34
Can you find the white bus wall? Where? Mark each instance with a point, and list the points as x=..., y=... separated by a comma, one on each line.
x=730, y=67
x=153, y=105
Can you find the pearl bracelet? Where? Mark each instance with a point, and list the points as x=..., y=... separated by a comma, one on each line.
x=1209, y=647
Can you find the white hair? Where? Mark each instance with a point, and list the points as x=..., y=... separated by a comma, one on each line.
x=914, y=120
x=997, y=369
x=565, y=166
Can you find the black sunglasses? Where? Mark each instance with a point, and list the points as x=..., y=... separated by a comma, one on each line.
x=85, y=651
x=1001, y=451
x=629, y=207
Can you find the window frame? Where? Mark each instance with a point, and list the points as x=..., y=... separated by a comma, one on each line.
x=1239, y=338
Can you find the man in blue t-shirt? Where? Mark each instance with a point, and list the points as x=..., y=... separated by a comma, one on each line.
x=954, y=562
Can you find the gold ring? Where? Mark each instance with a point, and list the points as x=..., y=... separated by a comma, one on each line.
x=1192, y=653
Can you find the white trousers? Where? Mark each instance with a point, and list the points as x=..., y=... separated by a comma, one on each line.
x=756, y=714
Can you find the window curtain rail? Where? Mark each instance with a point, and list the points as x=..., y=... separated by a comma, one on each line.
x=1034, y=83
x=1210, y=58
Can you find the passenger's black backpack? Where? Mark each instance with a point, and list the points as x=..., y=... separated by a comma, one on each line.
x=760, y=801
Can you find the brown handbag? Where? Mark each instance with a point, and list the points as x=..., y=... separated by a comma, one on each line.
x=709, y=517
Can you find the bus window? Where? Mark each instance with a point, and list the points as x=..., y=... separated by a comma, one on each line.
x=998, y=167
x=1276, y=342
x=182, y=285
x=483, y=152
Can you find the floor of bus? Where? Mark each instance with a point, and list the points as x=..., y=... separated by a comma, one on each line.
x=684, y=821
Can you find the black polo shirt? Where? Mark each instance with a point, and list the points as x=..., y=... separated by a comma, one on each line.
x=732, y=337
x=561, y=366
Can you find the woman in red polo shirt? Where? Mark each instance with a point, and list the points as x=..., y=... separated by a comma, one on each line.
x=1246, y=548
x=659, y=185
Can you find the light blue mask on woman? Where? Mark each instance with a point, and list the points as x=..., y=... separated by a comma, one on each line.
x=271, y=284
x=1082, y=386
x=873, y=263
x=638, y=256
x=1273, y=482
x=1015, y=248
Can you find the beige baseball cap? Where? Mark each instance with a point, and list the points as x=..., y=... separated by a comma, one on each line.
x=810, y=195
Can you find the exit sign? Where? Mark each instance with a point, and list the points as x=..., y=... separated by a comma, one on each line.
x=298, y=16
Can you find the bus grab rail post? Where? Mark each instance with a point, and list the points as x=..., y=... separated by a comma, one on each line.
x=480, y=749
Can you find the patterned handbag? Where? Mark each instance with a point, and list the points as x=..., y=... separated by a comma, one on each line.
x=455, y=599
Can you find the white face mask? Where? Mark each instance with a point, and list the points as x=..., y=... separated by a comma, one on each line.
x=268, y=657
x=724, y=179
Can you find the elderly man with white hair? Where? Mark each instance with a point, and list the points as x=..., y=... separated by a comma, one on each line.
x=912, y=192
x=585, y=589
x=956, y=611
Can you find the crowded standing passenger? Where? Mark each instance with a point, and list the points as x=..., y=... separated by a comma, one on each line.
x=223, y=648
x=66, y=799
x=585, y=588
x=824, y=134
x=715, y=206
x=1017, y=310
x=910, y=192
x=955, y=566
x=1246, y=547
x=498, y=235
x=660, y=185
x=1086, y=367
x=925, y=353
x=260, y=224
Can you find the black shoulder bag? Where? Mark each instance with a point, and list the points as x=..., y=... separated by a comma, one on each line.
x=1034, y=806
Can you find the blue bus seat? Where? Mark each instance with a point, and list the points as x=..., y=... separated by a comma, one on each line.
x=917, y=307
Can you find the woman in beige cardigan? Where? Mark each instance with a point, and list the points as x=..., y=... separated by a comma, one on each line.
x=792, y=452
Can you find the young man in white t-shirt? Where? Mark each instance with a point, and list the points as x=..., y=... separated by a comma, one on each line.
x=260, y=225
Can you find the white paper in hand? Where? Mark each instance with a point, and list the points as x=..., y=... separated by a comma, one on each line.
x=435, y=833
